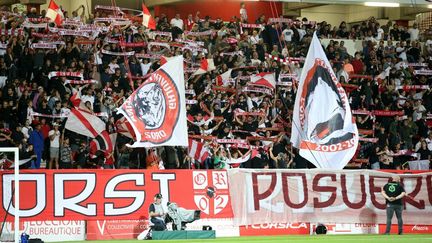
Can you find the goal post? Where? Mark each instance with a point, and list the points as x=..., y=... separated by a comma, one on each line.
x=16, y=190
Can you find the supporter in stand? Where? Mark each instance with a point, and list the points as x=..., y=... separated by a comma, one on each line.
x=387, y=81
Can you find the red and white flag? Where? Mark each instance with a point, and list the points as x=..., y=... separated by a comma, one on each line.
x=148, y=20
x=266, y=80
x=323, y=128
x=164, y=60
x=84, y=123
x=383, y=75
x=206, y=65
x=157, y=109
x=54, y=13
x=75, y=99
x=102, y=142
x=125, y=128
x=224, y=78
x=197, y=150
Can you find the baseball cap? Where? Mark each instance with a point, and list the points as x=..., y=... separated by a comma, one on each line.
x=158, y=196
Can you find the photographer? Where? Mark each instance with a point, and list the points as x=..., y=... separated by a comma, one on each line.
x=157, y=213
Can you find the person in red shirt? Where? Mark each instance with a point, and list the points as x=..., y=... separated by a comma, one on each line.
x=45, y=128
x=189, y=22
x=357, y=63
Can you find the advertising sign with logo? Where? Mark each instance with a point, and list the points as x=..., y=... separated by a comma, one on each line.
x=408, y=229
x=275, y=229
x=348, y=229
x=115, y=229
x=211, y=191
x=51, y=231
x=115, y=194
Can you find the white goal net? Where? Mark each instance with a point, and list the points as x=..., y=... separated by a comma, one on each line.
x=10, y=230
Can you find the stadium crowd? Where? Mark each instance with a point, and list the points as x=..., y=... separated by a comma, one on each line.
x=388, y=83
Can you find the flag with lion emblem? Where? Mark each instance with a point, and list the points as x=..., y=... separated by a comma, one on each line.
x=157, y=109
x=323, y=128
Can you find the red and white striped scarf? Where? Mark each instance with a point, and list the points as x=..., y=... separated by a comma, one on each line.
x=202, y=33
x=130, y=53
x=91, y=81
x=65, y=74
x=43, y=46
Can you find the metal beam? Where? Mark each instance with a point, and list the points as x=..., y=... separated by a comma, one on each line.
x=8, y=2
x=33, y=2
x=303, y=5
x=151, y=3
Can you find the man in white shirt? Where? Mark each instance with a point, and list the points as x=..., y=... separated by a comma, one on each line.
x=243, y=13
x=177, y=22
x=54, y=136
x=88, y=97
x=302, y=31
x=429, y=141
x=414, y=33
x=380, y=32
x=419, y=109
x=113, y=65
x=254, y=39
x=288, y=34
x=76, y=17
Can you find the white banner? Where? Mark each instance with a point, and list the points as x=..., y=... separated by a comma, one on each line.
x=325, y=196
x=323, y=130
x=157, y=109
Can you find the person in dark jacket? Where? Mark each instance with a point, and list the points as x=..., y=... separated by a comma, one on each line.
x=37, y=139
x=393, y=192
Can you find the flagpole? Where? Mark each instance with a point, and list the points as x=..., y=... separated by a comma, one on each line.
x=299, y=131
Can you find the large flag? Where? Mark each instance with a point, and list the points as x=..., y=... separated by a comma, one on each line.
x=54, y=13
x=157, y=109
x=383, y=75
x=148, y=20
x=125, y=128
x=323, y=128
x=102, y=142
x=206, y=65
x=84, y=123
x=266, y=80
x=198, y=150
x=224, y=78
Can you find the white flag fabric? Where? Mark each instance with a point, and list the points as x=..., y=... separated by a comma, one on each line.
x=84, y=123
x=266, y=80
x=157, y=109
x=224, y=78
x=384, y=74
x=206, y=65
x=323, y=128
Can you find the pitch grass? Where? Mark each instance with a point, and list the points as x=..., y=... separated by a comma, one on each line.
x=297, y=239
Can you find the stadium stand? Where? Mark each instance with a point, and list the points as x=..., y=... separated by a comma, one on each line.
x=384, y=68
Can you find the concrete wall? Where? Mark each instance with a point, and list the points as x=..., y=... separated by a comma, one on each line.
x=358, y=13
x=70, y=5
x=333, y=14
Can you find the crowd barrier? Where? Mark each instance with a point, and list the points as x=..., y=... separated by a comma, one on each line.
x=78, y=205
